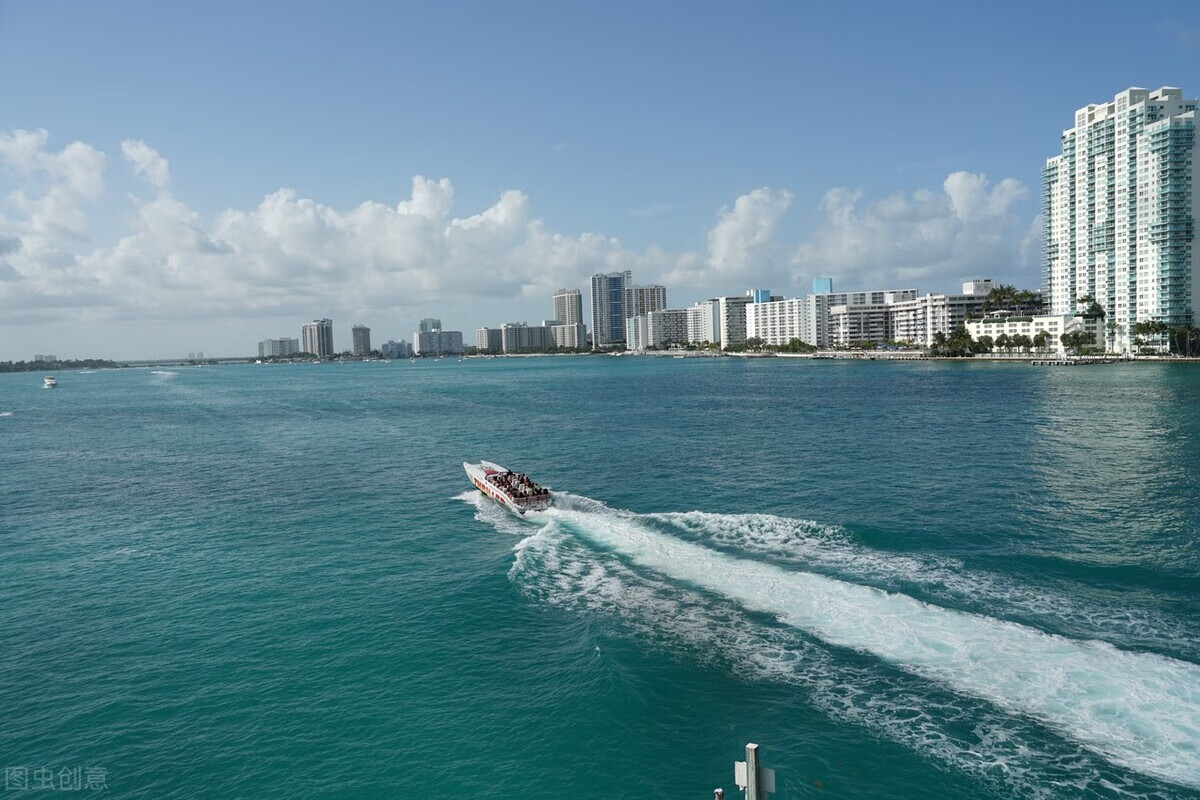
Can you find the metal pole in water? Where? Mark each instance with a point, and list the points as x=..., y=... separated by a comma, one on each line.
x=757, y=782
x=752, y=773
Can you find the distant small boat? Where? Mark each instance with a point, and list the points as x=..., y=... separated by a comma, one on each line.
x=49, y=382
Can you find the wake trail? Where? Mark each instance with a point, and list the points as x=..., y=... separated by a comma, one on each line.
x=1138, y=710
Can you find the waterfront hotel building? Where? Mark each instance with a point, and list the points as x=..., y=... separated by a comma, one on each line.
x=608, y=308
x=614, y=300
x=283, y=346
x=360, y=337
x=569, y=330
x=1119, y=209
x=316, y=337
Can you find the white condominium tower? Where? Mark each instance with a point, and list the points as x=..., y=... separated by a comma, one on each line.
x=568, y=306
x=641, y=300
x=1119, y=213
x=568, y=327
x=317, y=337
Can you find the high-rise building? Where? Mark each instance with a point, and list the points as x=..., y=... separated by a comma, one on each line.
x=568, y=306
x=432, y=340
x=1119, y=208
x=667, y=326
x=641, y=300
x=361, y=340
x=609, y=298
x=733, y=319
x=704, y=322
x=284, y=346
x=567, y=327
x=396, y=349
x=317, y=337
x=489, y=340
x=520, y=337
x=822, y=286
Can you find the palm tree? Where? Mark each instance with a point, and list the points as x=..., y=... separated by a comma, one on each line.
x=959, y=342
x=1193, y=337
x=1111, y=327
x=1150, y=329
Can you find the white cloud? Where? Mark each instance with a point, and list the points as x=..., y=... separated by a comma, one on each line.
x=928, y=240
x=289, y=254
x=292, y=257
x=56, y=187
x=740, y=247
x=429, y=199
x=741, y=232
x=147, y=163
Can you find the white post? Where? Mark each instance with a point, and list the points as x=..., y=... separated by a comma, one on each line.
x=752, y=792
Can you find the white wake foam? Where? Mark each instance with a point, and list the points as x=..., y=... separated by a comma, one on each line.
x=1138, y=710
x=970, y=736
x=829, y=550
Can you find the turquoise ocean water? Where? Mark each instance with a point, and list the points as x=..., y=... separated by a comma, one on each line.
x=902, y=580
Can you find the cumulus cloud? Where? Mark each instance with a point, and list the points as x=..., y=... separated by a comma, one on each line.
x=56, y=188
x=294, y=257
x=147, y=163
x=740, y=244
x=288, y=255
x=924, y=240
x=742, y=230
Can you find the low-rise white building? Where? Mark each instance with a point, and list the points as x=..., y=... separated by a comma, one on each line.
x=1053, y=325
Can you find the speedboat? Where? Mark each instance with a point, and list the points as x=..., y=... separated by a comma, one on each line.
x=514, y=490
x=49, y=382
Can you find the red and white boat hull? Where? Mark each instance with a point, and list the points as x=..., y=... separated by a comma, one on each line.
x=513, y=490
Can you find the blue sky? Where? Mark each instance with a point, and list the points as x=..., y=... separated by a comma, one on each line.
x=184, y=176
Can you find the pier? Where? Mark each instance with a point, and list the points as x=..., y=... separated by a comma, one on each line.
x=1073, y=362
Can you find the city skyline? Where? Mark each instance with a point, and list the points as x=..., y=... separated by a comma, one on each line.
x=147, y=186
